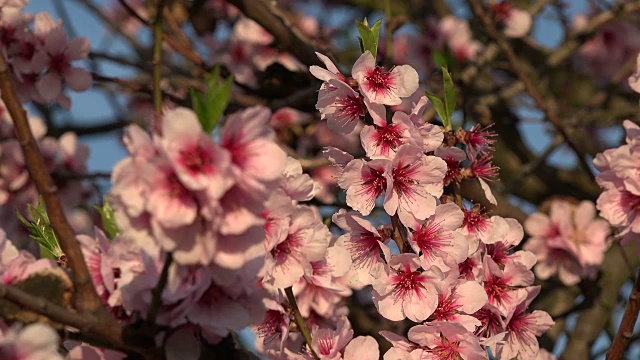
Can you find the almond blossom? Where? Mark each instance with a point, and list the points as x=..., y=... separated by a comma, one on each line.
x=365, y=244
x=619, y=203
x=57, y=54
x=522, y=329
x=403, y=291
x=436, y=238
x=570, y=241
x=383, y=87
x=307, y=241
x=197, y=161
x=416, y=181
x=516, y=22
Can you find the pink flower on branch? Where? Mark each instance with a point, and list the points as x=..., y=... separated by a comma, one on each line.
x=56, y=56
x=403, y=291
x=416, y=181
x=384, y=87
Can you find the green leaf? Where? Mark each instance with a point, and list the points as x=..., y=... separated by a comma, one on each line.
x=40, y=230
x=198, y=104
x=438, y=105
x=369, y=36
x=108, y=218
x=217, y=101
x=445, y=58
x=210, y=105
x=449, y=97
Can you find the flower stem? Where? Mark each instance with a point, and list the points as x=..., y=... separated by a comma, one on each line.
x=156, y=299
x=299, y=320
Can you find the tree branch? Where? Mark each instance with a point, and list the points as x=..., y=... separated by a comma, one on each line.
x=87, y=300
x=625, y=331
x=517, y=67
x=287, y=37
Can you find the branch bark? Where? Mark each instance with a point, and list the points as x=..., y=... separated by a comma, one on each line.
x=86, y=300
x=517, y=67
x=625, y=331
x=287, y=37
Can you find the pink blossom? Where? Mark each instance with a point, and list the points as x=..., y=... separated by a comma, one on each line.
x=273, y=331
x=82, y=351
x=452, y=156
x=328, y=343
x=405, y=292
x=431, y=135
x=416, y=181
x=516, y=22
x=459, y=300
x=342, y=106
x=458, y=38
x=619, y=203
x=307, y=241
x=218, y=311
x=365, y=244
x=382, y=87
x=604, y=54
x=503, y=285
x=569, y=242
x=198, y=162
x=169, y=201
x=444, y=341
x=56, y=56
x=257, y=161
x=436, y=238
x=382, y=140
x=364, y=181
x=324, y=286
x=522, y=329
x=297, y=185
x=362, y=348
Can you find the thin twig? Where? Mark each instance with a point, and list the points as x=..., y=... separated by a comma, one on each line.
x=299, y=320
x=187, y=53
x=287, y=37
x=156, y=293
x=157, y=59
x=517, y=67
x=98, y=128
x=87, y=300
x=625, y=331
x=55, y=312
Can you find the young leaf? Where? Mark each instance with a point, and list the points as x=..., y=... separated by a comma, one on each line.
x=449, y=96
x=108, y=219
x=369, y=35
x=439, y=106
x=198, y=104
x=210, y=105
x=40, y=230
x=217, y=101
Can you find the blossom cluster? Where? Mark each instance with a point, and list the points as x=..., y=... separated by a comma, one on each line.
x=453, y=34
x=455, y=271
x=227, y=217
x=63, y=156
x=41, y=56
x=570, y=241
x=620, y=200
